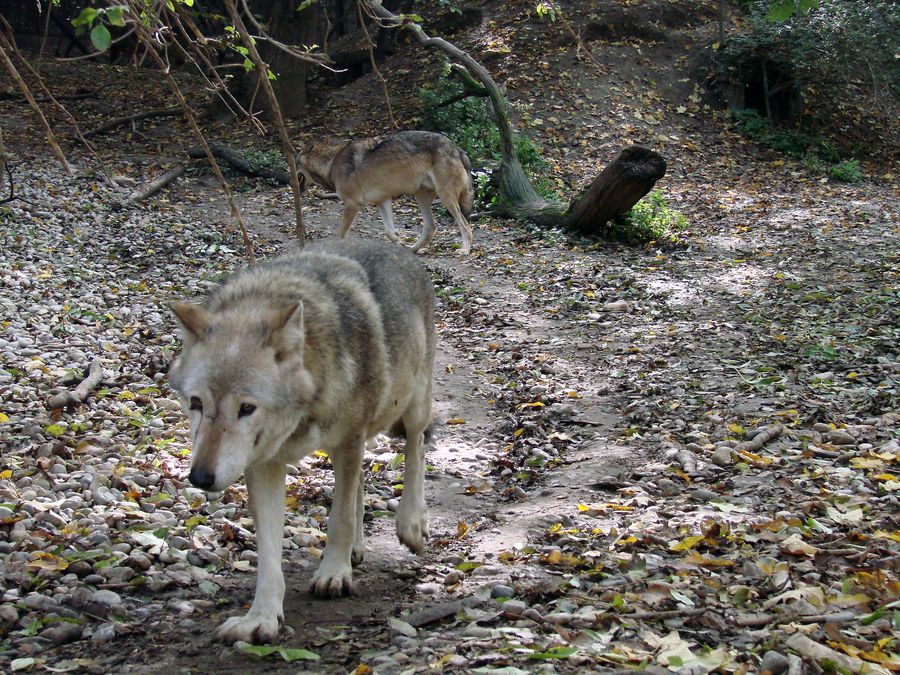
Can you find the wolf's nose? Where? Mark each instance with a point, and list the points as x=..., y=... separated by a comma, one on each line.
x=201, y=478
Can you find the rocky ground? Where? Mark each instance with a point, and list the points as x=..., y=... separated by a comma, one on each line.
x=681, y=457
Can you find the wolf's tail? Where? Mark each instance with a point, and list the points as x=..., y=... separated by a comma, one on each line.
x=467, y=198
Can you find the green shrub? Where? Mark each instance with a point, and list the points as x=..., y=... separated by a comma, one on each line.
x=651, y=219
x=847, y=171
x=468, y=122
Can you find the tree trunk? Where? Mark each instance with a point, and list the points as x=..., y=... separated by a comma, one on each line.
x=288, y=25
x=630, y=175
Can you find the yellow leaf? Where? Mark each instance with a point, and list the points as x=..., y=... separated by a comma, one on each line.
x=4, y=417
x=6, y=474
x=561, y=559
x=687, y=543
x=866, y=462
x=456, y=420
x=796, y=546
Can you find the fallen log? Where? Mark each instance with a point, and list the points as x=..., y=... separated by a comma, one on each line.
x=241, y=163
x=155, y=184
x=112, y=124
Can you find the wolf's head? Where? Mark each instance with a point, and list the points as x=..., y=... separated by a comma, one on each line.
x=243, y=384
x=314, y=163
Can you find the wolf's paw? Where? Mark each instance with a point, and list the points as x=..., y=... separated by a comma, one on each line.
x=332, y=581
x=412, y=527
x=253, y=627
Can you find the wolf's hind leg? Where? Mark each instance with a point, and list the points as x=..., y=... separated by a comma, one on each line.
x=265, y=485
x=359, y=542
x=346, y=220
x=424, y=199
x=412, y=513
x=387, y=217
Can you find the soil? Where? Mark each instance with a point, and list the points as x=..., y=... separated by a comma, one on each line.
x=568, y=371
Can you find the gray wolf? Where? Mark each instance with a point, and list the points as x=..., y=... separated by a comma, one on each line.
x=321, y=349
x=375, y=170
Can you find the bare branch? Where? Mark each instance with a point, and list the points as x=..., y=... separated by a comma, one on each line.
x=288, y=150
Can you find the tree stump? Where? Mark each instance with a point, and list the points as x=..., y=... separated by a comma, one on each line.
x=632, y=173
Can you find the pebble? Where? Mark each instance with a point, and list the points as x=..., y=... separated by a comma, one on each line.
x=502, y=591
x=62, y=633
x=775, y=662
x=107, y=598
x=721, y=456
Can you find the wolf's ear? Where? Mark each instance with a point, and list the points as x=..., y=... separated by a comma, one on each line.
x=194, y=319
x=286, y=333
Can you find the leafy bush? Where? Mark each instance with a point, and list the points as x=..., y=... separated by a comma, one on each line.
x=799, y=144
x=827, y=62
x=467, y=121
x=651, y=219
x=847, y=171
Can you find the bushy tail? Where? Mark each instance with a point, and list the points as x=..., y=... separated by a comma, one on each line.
x=467, y=198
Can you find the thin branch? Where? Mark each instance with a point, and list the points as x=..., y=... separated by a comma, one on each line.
x=288, y=150
x=5, y=50
x=142, y=33
x=371, y=49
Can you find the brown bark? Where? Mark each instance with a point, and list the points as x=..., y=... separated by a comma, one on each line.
x=629, y=176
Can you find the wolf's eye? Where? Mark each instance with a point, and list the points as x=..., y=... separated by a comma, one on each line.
x=196, y=403
x=246, y=409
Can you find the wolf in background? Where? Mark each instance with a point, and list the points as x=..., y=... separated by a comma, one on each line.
x=321, y=349
x=375, y=170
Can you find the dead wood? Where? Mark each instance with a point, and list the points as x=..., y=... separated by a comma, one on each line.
x=118, y=122
x=77, y=395
x=154, y=185
x=6, y=48
x=758, y=441
x=236, y=159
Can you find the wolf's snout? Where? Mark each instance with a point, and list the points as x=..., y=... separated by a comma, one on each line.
x=201, y=478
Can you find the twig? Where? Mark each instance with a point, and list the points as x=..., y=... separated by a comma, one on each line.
x=562, y=19
x=275, y=109
x=815, y=650
x=76, y=396
x=5, y=50
x=59, y=105
x=145, y=38
x=108, y=126
x=758, y=441
x=371, y=49
x=154, y=185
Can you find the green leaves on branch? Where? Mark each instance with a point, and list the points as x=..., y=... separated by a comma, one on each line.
x=782, y=10
x=95, y=20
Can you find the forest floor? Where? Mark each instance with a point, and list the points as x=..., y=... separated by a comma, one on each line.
x=681, y=457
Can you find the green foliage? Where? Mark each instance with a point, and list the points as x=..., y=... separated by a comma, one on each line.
x=792, y=142
x=847, y=171
x=468, y=122
x=651, y=219
x=836, y=51
x=799, y=144
x=95, y=20
x=265, y=159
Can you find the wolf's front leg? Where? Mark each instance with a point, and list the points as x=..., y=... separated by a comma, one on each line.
x=265, y=486
x=334, y=575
